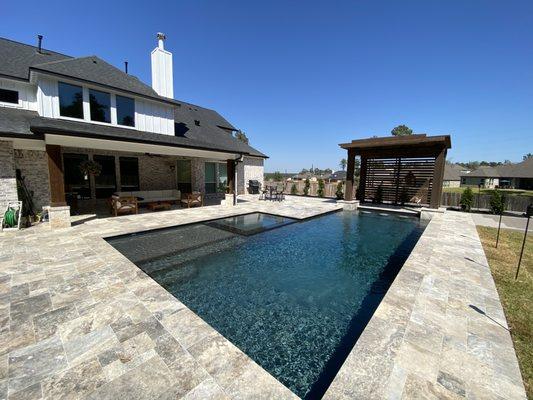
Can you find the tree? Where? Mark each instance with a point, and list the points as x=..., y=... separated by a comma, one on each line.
x=320, y=191
x=467, y=199
x=277, y=176
x=401, y=130
x=339, y=192
x=294, y=189
x=497, y=202
x=527, y=157
x=306, y=187
x=342, y=164
x=240, y=135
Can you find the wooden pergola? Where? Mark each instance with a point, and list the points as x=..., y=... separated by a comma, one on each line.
x=404, y=169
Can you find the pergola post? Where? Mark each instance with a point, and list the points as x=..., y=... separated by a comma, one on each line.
x=350, y=171
x=55, y=171
x=438, y=176
x=362, y=179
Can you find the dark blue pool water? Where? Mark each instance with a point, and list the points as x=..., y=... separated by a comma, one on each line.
x=294, y=299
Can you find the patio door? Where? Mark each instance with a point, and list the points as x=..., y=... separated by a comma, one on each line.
x=210, y=177
x=76, y=184
x=183, y=176
x=129, y=174
x=105, y=183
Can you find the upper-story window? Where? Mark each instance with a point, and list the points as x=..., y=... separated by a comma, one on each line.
x=70, y=100
x=125, y=111
x=100, y=104
x=9, y=96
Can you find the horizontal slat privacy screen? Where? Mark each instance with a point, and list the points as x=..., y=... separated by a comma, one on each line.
x=407, y=179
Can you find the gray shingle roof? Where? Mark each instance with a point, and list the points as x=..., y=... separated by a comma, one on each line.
x=452, y=172
x=17, y=58
x=23, y=123
x=523, y=169
x=483, y=172
x=96, y=70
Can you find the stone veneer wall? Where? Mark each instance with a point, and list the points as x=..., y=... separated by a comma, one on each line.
x=251, y=169
x=8, y=180
x=33, y=165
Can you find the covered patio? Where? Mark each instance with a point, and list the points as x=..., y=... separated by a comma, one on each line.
x=398, y=170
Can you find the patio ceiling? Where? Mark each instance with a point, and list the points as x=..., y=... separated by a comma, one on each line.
x=116, y=145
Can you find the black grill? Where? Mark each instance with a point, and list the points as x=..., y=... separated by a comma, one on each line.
x=253, y=186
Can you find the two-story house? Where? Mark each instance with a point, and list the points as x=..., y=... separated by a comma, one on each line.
x=57, y=112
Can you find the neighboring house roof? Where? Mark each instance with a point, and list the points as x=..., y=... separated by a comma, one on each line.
x=338, y=175
x=523, y=169
x=483, y=172
x=96, y=70
x=452, y=172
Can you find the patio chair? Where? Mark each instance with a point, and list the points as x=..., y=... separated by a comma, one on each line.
x=263, y=193
x=124, y=205
x=192, y=199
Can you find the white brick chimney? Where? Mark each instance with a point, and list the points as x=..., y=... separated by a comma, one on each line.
x=162, y=80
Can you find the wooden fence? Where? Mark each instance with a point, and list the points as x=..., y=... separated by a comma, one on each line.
x=329, y=188
x=512, y=203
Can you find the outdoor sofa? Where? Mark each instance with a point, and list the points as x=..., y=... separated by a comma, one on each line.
x=128, y=202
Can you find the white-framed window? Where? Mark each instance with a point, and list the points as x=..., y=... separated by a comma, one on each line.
x=9, y=96
x=100, y=106
x=70, y=100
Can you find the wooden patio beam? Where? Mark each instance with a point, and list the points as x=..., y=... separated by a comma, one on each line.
x=55, y=171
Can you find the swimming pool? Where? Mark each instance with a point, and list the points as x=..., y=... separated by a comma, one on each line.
x=294, y=299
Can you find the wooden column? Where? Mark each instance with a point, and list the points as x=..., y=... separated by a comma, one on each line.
x=350, y=169
x=55, y=171
x=438, y=176
x=231, y=176
x=362, y=179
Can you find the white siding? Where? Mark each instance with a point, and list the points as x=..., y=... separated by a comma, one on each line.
x=154, y=117
x=27, y=94
x=47, y=97
x=150, y=116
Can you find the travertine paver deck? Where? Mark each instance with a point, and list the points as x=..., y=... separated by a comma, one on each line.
x=79, y=320
x=428, y=339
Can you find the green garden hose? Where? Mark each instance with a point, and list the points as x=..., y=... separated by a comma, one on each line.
x=10, y=218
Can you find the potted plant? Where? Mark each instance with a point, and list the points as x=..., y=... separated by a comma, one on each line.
x=90, y=167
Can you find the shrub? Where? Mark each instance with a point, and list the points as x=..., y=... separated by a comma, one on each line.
x=378, y=198
x=339, y=193
x=497, y=202
x=320, y=191
x=404, y=196
x=307, y=187
x=467, y=199
x=294, y=189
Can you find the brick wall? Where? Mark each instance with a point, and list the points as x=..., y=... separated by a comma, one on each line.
x=251, y=169
x=8, y=181
x=33, y=165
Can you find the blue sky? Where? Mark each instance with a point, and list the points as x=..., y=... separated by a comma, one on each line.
x=301, y=77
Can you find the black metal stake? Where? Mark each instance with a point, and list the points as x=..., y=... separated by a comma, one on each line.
x=499, y=225
x=522, y=251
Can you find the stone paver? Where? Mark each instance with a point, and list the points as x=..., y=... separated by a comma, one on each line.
x=426, y=339
x=79, y=320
